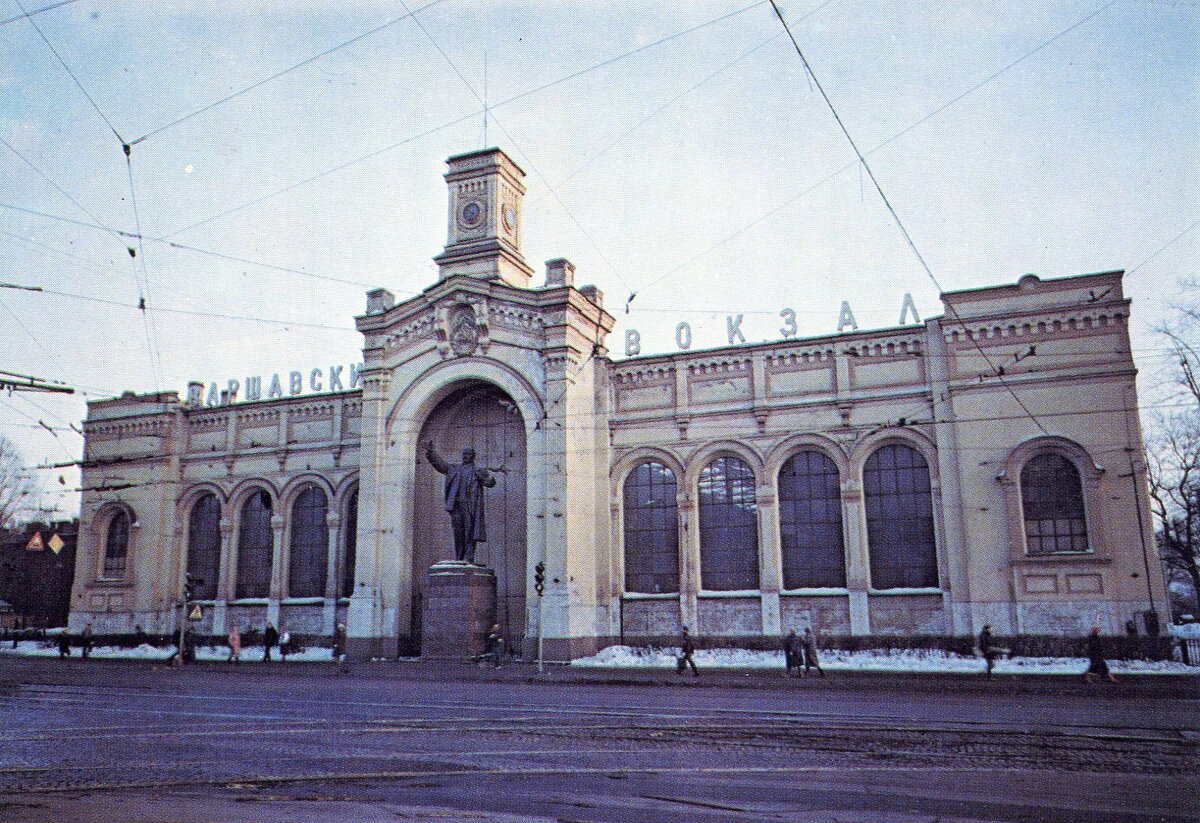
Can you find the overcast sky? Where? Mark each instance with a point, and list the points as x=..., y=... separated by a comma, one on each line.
x=704, y=173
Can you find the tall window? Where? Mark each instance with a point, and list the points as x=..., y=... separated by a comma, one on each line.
x=810, y=522
x=204, y=545
x=1052, y=500
x=351, y=545
x=116, y=545
x=728, y=526
x=309, y=556
x=651, y=530
x=900, y=519
x=255, y=547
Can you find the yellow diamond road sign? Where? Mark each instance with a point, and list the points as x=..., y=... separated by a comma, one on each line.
x=35, y=543
x=55, y=543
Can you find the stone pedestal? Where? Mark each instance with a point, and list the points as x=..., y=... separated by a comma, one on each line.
x=460, y=608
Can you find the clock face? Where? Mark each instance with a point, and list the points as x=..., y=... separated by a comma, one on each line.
x=471, y=214
x=510, y=218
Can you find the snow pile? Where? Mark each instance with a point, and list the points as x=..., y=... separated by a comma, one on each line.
x=1188, y=630
x=254, y=654
x=628, y=657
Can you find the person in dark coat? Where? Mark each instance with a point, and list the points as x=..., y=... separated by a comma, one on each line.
x=1097, y=665
x=64, y=645
x=339, y=649
x=493, y=646
x=270, y=640
x=987, y=649
x=793, y=653
x=811, y=659
x=687, y=648
x=87, y=640
x=463, y=497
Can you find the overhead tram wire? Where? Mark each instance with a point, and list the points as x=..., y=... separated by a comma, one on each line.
x=151, y=343
x=29, y=14
x=528, y=160
x=467, y=117
x=899, y=223
x=1165, y=246
x=855, y=164
x=277, y=75
x=185, y=247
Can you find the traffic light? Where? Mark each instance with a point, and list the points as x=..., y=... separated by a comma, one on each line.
x=539, y=578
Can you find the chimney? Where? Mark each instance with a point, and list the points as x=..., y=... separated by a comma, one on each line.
x=560, y=272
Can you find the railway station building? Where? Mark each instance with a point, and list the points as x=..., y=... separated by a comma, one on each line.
x=981, y=467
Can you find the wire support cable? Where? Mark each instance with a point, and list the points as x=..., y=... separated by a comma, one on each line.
x=896, y=217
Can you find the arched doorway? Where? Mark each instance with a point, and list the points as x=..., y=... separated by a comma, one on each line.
x=485, y=418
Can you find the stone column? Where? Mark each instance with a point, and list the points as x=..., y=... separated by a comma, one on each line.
x=333, y=525
x=689, y=570
x=858, y=563
x=769, y=565
x=278, y=571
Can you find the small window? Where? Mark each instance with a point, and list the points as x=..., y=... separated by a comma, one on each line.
x=116, y=545
x=728, y=526
x=1052, y=501
x=651, y=530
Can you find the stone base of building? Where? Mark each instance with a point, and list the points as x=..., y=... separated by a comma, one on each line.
x=460, y=608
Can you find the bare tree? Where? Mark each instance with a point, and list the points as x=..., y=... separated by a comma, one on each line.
x=16, y=486
x=1174, y=460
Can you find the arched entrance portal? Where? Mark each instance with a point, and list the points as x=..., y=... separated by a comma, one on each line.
x=485, y=418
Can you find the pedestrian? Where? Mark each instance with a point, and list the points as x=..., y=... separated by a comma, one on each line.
x=493, y=646
x=87, y=640
x=1130, y=628
x=139, y=636
x=687, y=648
x=793, y=653
x=811, y=659
x=339, y=649
x=270, y=639
x=235, y=644
x=1096, y=662
x=987, y=649
x=64, y=644
x=285, y=646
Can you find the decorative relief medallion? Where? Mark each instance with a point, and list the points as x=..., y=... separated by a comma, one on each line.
x=464, y=336
x=462, y=327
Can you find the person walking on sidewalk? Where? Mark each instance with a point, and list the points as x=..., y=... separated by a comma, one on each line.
x=687, y=648
x=87, y=640
x=235, y=644
x=986, y=649
x=493, y=646
x=793, y=653
x=339, y=649
x=811, y=659
x=270, y=640
x=1097, y=665
x=64, y=644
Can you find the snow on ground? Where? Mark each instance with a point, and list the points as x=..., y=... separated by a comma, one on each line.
x=36, y=648
x=627, y=657
x=1189, y=630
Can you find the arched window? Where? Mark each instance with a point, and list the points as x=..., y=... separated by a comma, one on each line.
x=728, y=526
x=651, y=530
x=900, y=519
x=309, y=555
x=351, y=545
x=255, y=547
x=810, y=522
x=1052, y=502
x=204, y=545
x=116, y=545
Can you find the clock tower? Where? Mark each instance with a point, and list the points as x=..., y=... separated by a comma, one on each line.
x=484, y=238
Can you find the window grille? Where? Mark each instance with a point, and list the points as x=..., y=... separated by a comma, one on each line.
x=899, y=507
x=651, y=530
x=810, y=522
x=728, y=526
x=1052, y=501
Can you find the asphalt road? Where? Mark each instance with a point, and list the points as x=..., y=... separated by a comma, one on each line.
x=106, y=741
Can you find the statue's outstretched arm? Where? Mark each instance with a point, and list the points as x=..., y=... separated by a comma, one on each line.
x=434, y=458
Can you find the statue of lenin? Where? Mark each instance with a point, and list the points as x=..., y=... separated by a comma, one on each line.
x=463, y=499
